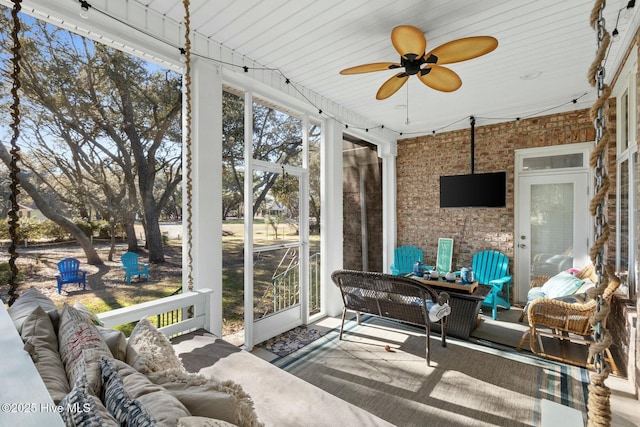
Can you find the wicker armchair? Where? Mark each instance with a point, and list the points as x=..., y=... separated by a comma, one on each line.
x=586, y=273
x=563, y=320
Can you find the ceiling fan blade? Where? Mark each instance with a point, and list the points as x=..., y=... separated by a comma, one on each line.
x=440, y=78
x=368, y=68
x=461, y=50
x=392, y=85
x=409, y=41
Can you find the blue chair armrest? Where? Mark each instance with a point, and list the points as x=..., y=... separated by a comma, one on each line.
x=499, y=283
x=394, y=270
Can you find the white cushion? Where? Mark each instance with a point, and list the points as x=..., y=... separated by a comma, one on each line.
x=148, y=350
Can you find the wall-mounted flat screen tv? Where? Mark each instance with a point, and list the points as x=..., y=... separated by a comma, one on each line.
x=486, y=190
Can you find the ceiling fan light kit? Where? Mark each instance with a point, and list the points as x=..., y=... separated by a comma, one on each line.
x=411, y=44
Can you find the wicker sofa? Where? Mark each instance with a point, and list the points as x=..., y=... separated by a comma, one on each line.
x=394, y=297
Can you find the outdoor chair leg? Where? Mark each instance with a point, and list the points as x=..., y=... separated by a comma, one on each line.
x=428, y=355
x=525, y=335
x=344, y=313
x=524, y=313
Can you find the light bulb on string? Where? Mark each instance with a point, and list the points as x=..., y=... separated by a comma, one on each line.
x=84, y=9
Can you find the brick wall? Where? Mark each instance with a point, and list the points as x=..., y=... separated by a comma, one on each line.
x=422, y=160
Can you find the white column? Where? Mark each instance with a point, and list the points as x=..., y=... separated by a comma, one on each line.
x=331, y=216
x=206, y=236
x=388, y=153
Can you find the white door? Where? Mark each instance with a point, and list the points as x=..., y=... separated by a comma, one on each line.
x=279, y=268
x=552, y=232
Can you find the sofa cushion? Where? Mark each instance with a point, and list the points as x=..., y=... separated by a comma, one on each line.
x=83, y=409
x=208, y=397
x=195, y=421
x=134, y=392
x=115, y=340
x=562, y=284
x=27, y=302
x=81, y=347
x=42, y=344
x=149, y=350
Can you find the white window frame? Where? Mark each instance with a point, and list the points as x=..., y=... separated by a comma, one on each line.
x=625, y=150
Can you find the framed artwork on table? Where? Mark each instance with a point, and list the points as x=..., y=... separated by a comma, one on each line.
x=445, y=255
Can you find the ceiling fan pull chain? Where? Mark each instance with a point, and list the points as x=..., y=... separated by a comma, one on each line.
x=407, y=123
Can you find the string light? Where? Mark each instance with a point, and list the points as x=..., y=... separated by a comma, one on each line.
x=85, y=7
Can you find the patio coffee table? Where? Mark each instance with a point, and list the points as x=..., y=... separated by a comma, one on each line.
x=465, y=306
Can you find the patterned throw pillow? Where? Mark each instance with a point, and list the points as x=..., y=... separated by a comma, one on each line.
x=81, y=347
x=81, y=408
x=118, y=402
x=128, y=392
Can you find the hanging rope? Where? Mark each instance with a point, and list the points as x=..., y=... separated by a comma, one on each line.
x=14, y=169
x=598, y=405
x=189, y=155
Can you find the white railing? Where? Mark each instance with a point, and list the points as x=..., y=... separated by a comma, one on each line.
x=285, y=291
x=197, y=304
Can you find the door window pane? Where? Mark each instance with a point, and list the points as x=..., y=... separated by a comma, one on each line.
x=575, y=160
x=551, y=228
x=276, y=281
x=276, y=266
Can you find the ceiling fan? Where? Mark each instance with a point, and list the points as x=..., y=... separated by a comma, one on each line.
x=410, y=43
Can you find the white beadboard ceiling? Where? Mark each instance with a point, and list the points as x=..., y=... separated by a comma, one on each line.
x=310, y=41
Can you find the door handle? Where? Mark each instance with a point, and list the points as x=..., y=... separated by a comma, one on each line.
x=522, y=246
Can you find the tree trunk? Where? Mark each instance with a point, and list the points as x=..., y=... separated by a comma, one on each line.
x=132, y=239
x=154, y=236
x=50, y=209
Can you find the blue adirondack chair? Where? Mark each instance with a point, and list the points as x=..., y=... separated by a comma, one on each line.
x=403, y=259
x=492, y=268
x=69, y=272
x=132, y=267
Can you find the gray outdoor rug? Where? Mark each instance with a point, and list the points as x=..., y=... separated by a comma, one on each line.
x=467, y=384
